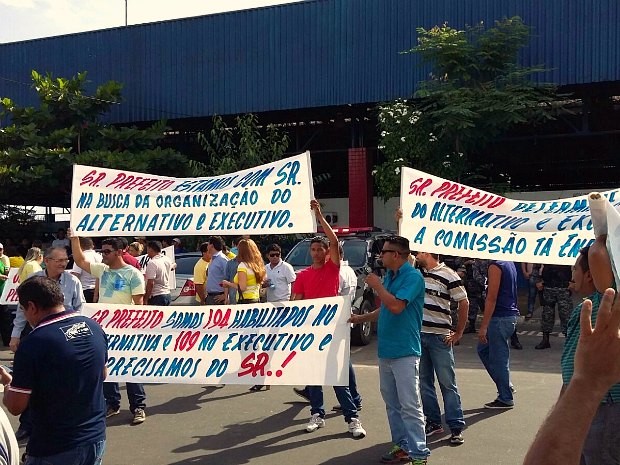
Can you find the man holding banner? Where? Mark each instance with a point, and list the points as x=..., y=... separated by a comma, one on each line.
x=322, y=279
x=119, y=283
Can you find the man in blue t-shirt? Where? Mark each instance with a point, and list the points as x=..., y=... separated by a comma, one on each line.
x=498, y=325
x=59, y=370
x=399, y=350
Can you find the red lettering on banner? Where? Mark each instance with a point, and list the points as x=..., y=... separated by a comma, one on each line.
x=419, y=189
x=91, y=180
x=249, y=366
x=12, y=296
x=217, y=318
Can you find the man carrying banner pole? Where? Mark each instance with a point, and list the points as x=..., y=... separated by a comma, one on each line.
x=119, y=283
x=322, y=279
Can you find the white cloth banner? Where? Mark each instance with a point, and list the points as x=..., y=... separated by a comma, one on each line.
x=446, y=217
x=168, y=252
x=291, y=343
x=9, y=293
x=606, y=221
x=267, y=199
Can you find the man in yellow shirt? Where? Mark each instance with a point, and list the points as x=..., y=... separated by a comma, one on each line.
x=200, y=273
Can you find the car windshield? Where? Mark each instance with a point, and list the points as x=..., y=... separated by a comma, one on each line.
x=185, y=265
x=354, y=253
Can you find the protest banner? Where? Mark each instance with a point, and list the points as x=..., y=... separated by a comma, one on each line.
x=9, y=293
x=168, y=252
x=445, y=217
x=606, y=221
x=267, y=199
x=287, y=343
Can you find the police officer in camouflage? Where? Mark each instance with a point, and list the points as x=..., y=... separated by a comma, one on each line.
x=554, y=283
x=474, y=272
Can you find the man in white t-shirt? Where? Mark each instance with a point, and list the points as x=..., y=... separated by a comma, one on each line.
x=90, y=284
x=280, y=275
x=119, y=283
x=61, y=239
x=157, y=276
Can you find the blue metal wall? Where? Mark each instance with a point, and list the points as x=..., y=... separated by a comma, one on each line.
x=308, y=54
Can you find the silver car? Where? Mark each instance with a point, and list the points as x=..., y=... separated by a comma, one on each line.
x=185, y=293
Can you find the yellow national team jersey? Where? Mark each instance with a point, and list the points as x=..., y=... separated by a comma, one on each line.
x=252, y=291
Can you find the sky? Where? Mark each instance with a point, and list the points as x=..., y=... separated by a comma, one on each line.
x=32, y=19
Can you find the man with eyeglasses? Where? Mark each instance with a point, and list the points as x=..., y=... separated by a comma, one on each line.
x=280, y=275
x=119, y=283
x=399, y=350
x=56, y=260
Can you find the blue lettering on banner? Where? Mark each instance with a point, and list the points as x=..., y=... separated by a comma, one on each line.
x=85, y=201
x=288, y=173
x=165, y=367
x=260, y=219
x=465, y=240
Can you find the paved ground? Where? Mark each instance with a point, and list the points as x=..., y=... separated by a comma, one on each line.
x=189, y=424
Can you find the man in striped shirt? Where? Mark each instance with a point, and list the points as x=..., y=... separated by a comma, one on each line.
x=602, y=445
x=442, y=284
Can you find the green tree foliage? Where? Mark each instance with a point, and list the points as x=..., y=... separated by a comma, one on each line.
x=475, y=93
x=40, y=144
x=238, y=147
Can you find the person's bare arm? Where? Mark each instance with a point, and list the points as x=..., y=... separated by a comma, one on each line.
x=149, y=288
x=388, y=299
x=600, y=264
x=138, y=299
x=493, y=280
x=597, y=368
x=78, y=254
x=334, y=251
x=15, y=402
x=457, y=334
x=371, y=316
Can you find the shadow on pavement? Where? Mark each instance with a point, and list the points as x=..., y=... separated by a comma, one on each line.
x=230, y=442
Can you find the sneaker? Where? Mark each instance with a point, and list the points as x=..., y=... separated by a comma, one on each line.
x=303, y=393
x=418, y=462
x=315, y=423
x=138, y=416
x=499, y=405
x=338, y=408
x=111, y=411
x=395, y=455
x=355, y=428
x=433, y=428
x=456, y=439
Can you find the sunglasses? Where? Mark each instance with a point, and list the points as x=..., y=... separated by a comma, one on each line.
x=274, y=254
x=389, y=250
x=107, y=251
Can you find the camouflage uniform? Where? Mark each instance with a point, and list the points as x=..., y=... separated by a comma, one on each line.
x=555, y=280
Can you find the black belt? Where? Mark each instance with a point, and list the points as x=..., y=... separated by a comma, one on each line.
x=215, y=293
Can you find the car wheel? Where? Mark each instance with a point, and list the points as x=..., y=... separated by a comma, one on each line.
x=361, y=334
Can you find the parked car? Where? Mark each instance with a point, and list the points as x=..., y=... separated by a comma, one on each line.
x=361, y=249
x=185, y=293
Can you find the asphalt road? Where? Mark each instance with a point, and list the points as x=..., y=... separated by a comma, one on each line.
x=192, y=424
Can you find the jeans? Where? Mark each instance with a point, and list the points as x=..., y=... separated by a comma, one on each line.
x=400, y=389
x=532, y=292
x=438, y=358
x=91, y=454
x=357, y=398
x=162, y=300
x=602, y=446
x=495, y=354
x=343, y=394
x=135, y=393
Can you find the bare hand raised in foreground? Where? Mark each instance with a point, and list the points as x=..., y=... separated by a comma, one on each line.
x=597, y=368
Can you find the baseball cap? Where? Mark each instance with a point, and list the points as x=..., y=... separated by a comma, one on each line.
x=1, y=246
x=176, y=239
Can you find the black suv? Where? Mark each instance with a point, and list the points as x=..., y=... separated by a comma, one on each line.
x=361, y=249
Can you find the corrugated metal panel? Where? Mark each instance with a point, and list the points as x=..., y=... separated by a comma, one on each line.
x=309, y=54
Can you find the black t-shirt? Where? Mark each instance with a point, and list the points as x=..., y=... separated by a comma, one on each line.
x=60, y=364
x=556, y=276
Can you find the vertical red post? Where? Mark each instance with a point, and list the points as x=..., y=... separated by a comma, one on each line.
x=360, y=188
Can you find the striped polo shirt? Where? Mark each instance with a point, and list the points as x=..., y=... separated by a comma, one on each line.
x=442, y=284
x=570, y=347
